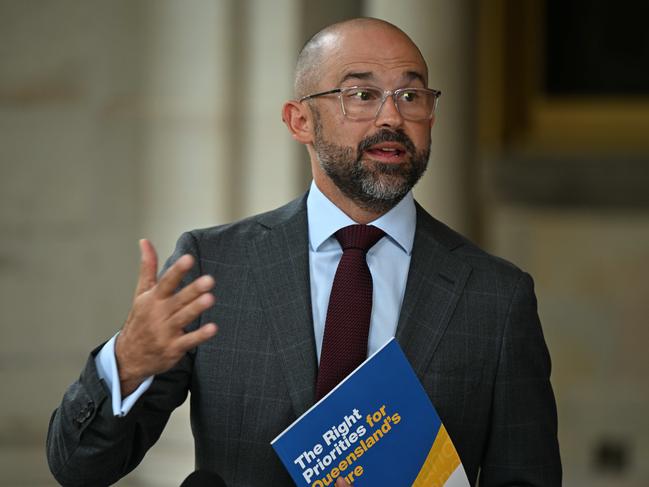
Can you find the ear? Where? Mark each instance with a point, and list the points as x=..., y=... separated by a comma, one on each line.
x=432, y=122
x=298, y=120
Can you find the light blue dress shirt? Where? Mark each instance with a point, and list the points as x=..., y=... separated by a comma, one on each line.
x=388, y=260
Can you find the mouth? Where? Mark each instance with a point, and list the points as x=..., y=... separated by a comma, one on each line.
x=390, y=152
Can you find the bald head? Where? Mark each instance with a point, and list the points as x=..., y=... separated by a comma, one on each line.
x=312, y=58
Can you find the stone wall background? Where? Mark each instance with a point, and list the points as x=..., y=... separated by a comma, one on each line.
x=125, y=119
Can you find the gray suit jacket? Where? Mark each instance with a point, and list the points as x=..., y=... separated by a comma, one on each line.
x=468, y=325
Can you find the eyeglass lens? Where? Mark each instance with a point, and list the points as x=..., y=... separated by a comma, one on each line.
x=413, y=104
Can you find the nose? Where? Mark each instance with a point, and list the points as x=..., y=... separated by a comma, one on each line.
x=388, y=114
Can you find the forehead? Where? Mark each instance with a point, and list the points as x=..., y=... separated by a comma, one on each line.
x=376, y=53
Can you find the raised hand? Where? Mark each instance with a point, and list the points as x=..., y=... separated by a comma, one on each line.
x=152, y=339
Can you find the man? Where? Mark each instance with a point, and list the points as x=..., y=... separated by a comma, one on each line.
x=467, y=321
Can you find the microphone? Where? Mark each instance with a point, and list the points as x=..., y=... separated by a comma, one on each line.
x=203, y=478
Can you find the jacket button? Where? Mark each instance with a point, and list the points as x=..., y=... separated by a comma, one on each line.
x=84, y=413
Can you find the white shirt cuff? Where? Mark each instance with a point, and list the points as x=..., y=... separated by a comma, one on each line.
x=107, y=370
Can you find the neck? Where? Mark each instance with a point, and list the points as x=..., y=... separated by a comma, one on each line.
x=346, y=205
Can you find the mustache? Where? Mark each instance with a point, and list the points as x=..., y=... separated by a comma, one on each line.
x=385, y=135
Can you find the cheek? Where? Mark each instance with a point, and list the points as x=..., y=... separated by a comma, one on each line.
x=343, y=133
x=421, y=137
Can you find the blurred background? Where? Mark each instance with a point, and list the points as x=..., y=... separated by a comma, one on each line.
x=123, y=119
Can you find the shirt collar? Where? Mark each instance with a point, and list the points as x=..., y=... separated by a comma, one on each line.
x=325, y=219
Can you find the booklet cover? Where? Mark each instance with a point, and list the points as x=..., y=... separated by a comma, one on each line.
x=377, y=427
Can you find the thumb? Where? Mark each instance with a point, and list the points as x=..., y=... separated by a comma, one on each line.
x=148, y=267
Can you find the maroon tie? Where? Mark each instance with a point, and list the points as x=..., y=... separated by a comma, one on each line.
x=344, y=345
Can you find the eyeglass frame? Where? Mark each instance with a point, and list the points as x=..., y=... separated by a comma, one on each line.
x=386, y=93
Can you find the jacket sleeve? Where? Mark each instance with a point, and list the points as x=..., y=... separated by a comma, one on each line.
x=86, y=443
x=522, y=447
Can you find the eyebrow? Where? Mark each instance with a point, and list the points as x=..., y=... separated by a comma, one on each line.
x=368, y=75
x=414, y=75
x=364, y=75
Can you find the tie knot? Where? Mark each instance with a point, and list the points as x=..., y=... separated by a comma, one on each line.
x=361, y=237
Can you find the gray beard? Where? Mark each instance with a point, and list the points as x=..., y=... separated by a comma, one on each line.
x=373, y=186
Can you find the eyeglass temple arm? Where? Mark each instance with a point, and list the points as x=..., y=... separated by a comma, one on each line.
x=322, y=93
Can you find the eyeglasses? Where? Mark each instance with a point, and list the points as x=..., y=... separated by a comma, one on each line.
x=364, y=102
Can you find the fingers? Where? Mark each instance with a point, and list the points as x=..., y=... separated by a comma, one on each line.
x=171, y=279
x=196, y=337
x=153, y=338
x=190, y=292
x=148, y=267
x=191, y=311
x=341, y=482
x=178, y=308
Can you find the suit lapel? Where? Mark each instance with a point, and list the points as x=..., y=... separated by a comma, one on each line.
x=435, y=282
x=280, y=265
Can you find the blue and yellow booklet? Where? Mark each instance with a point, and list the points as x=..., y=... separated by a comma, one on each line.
x=377, y=427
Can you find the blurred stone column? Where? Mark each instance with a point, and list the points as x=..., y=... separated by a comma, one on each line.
x=443, y=31
x=185, y=175
x=187, y=117
x=269, y=168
